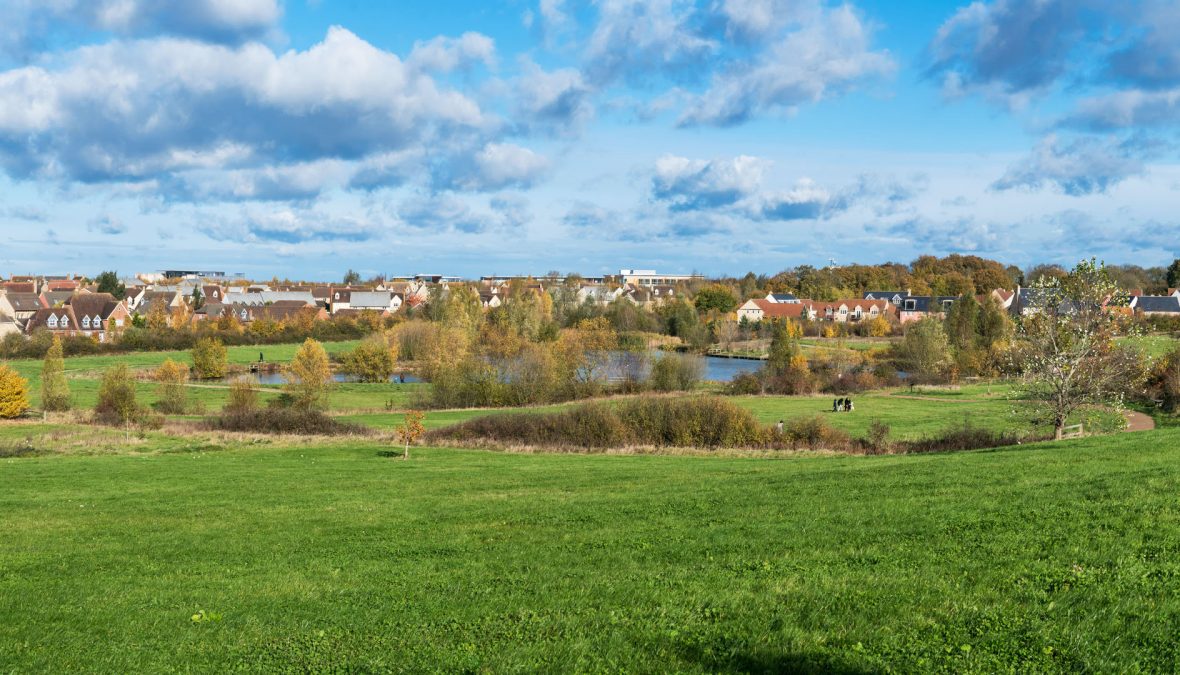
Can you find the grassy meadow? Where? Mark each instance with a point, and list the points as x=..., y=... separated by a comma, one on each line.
x=212, y=555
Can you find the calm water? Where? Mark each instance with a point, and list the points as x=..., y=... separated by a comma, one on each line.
x=716, y=369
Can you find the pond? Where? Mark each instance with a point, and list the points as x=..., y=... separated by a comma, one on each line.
x=280, y=377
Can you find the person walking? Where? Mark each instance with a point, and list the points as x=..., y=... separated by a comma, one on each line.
x=835, y=405
x=847, y=405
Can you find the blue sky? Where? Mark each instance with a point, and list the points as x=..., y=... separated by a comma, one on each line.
x=300, y=138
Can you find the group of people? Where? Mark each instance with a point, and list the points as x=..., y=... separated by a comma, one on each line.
x=842, y=404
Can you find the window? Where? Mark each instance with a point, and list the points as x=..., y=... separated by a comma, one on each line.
x=65, y=322
x=119, y=323
x=52, y=321
x=86, y=322
x=337, y=296
x=911, y=305
x=96, y=321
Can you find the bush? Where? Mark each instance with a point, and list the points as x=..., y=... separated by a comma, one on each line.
x=814, y=433
x=116, y=397
x=285, y=421
x=14, y=393
x=676, y=372
x=877, y=441
x=243, y=398
x=371, y=361
x=707, y=422
x=966, y=437
x=55, y=390
x=171, y=394
x=209, y=359
x=745, y=384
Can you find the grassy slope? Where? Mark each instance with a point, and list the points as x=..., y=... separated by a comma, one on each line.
x=1047, y=558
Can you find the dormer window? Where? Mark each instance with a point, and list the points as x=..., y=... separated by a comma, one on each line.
x=96, y=322
x=911, y=305
x=86, y=322
x=337, y=296
x=52, y=321
x=65, y=322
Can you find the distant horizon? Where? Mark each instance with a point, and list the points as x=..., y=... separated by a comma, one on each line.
x=297, y=137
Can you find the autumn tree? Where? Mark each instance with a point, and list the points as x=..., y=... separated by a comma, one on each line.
x=55, y=389
x=925, y=349
x=786, y=369
x=1173, y=275
x=352, y=277
x=715, y=298
x=171, y=394
x=410, y=430
x=14, y=393
x=310, y=376
x=1069, y=356
x=116, y=396
x=373, y=360
x=210, y=360
x=157, y=317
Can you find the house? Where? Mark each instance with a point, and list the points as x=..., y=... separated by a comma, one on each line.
x=783, y=298
x=212, y=293
x=850, y=311
x=894, y=297
x=1003, y=298
x=8, y=325
x=23, y=305
x=98, y=314
x=133, y=296
x=56, y=298
x=168, y=300
x=62, y=285
x=918, y=307
x=761, y=308
x=378, y=301
x=489, y=299
x=15, y=286
x=1156, y=305
x=247, y=313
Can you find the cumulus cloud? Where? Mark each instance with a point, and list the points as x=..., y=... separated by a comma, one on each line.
x=826, y=57
x=805, y=201
x=636, y=39
x=965, y=235
x=587, y=216
x=693, y=184
x=494, y=167
x=444, y=54
x=29, y=23
x=557, y=102
x=443, y=213
x=288, y=226
x=133, y=111
x=1084, y=166
x=1130, y=109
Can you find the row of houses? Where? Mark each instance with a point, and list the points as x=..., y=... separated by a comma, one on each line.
x=905, y=307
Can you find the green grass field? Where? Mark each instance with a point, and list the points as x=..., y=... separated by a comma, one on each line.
x=1154, y=346
x=335, y=557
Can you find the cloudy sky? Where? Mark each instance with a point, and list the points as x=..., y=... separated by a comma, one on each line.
x=303, y=137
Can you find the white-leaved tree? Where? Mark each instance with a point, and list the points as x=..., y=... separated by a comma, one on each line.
x=1069, y=357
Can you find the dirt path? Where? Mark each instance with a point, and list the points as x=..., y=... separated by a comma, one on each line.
x=1137, y=421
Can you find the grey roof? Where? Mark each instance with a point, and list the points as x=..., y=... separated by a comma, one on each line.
x=270, y=297
x=1158, y=303
x=360, y=299
x=924, y=303
x=25, y=302
x=784, y=297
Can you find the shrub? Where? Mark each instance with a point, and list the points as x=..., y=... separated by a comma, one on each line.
x=171, y=394
x=814, y=433
x=662, y=422
x=285, y=421
x=371, y=361
x=966, y=437
x=209, y=358
x=243, y=398
x=116, y=397
x=745, y=384
x=310, y=376
x=676, y=372
x=55, y=390
x=877, y=441
x=14, y=393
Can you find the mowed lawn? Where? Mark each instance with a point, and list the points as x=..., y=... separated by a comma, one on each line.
x=1042, y=558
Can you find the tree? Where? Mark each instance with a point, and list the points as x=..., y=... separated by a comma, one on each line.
x=372, y=360
x=1174, y=274
x=157, y=317
x=352, y=277
x=309, y=376
x=715, y=297
x=108, y=282
x=14, y=393
x=55, y=390
x=197, y=300
x=925, y=349
x=210, y=360
x=243, y=398
x=962, y=323
x=171, y=394
x=1070, y=358
x=410, y=430
x=116, y=396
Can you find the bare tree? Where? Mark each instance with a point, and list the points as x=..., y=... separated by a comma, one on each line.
x=1069, y=357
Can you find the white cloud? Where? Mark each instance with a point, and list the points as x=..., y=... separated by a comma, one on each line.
x=444, y=54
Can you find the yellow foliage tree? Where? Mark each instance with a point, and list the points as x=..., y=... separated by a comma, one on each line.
x=171, y=395
x=310, y=376
x=879, y=327
x=157, y=317
x=410, y=430
x=14, y=393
